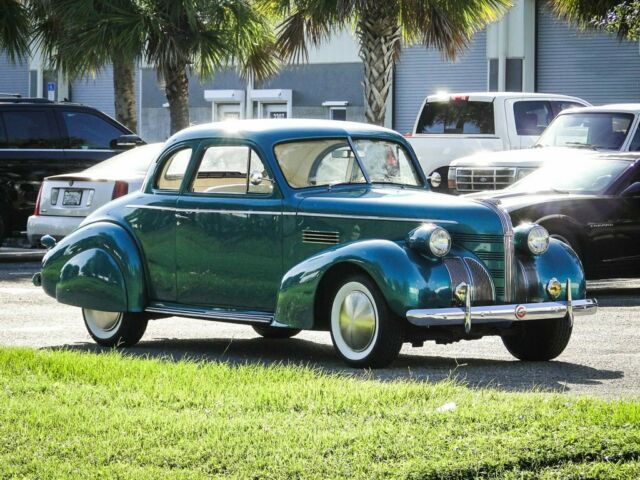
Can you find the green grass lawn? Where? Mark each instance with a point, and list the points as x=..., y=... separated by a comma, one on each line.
x=80, y=415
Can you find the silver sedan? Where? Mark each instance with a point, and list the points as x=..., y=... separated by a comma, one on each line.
x=65, y=200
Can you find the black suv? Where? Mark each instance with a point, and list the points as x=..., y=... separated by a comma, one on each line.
x=39, y=138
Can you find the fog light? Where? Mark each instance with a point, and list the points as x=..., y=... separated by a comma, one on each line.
x=554, y=288
x=461, y=291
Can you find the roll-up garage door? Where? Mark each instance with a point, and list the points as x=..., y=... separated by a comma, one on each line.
x=421, y=72
x=592, y=65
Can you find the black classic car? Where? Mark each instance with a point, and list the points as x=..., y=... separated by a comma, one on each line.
x=590, y=203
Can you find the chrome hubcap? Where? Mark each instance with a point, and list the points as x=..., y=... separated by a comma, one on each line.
x=102, y=323
x=357, y=321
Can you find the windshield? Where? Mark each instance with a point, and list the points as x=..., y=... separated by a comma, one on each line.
x=312, y=163
x=132, y=162
x=599, y=130
x=581, y=176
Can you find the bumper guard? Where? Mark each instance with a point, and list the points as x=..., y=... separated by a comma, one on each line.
x=502, y=313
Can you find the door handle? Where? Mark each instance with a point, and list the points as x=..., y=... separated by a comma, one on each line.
x=184, y=216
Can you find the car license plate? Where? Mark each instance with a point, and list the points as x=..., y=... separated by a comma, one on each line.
x=72, y=198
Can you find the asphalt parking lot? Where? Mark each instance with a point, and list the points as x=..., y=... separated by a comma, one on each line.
x=603, y=357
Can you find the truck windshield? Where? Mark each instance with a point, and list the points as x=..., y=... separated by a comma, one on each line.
x=456, y=117
x=597, y=130
x=312, y=163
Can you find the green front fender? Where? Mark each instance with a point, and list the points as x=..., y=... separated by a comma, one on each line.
x=559, y=262
x=406, y=279
x=98, y=267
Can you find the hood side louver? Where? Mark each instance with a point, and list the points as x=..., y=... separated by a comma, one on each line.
x=317, y=236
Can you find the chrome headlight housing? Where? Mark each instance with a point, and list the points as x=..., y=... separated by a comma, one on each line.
x=430, y=239
x=531, y=238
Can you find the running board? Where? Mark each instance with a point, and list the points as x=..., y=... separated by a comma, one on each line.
x=218, y=314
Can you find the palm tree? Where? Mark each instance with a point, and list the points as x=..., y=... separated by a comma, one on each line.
x=380, y=27
x=174, y=36
x=204, y=35
x=14, y=29
x=80, y=37
x=620, y=17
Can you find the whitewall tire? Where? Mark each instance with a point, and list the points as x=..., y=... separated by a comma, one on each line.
x=114, y=329
x=364, y=331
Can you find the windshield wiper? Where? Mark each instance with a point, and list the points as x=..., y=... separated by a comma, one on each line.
x=580, y=145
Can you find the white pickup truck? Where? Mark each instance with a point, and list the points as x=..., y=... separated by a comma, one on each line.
x=613, y=128
x=451, y=126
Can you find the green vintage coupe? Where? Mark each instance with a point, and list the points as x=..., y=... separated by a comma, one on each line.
x=287, y=225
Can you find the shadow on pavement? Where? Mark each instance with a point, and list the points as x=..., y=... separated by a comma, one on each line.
x=508, y=375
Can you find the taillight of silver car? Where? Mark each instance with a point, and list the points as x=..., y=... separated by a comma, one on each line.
x=120, y=189
x=36, y=210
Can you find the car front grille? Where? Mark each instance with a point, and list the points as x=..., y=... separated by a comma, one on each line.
x=478, y=179
x=490, y=250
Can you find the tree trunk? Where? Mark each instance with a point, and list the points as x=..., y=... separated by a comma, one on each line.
x=177, y=91
x=125, y=91
x=380, y=40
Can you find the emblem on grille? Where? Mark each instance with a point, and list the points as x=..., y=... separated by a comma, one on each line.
x=521, y=312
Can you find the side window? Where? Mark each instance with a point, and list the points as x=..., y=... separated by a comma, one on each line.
x=29, y=129
x=532, y=117
x=173, y=170
x=233, y=170
x=635, y=143
x=87, y=131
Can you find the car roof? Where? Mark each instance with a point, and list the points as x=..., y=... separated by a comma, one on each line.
x=609, y=108
x=503, y=95
x=275, y=130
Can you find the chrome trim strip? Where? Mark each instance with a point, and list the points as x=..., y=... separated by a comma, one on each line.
x=509, y=249
x=493, y=287
x=501, y=313
x=302, y=214
x=372, y=217
x=222, y=315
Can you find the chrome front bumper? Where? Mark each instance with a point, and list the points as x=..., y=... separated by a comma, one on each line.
x=524, y=312
x=500, y=313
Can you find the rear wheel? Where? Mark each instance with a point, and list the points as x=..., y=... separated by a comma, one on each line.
x=539, y=340
x=364, y=331
x=114, y=329
x=275, y=332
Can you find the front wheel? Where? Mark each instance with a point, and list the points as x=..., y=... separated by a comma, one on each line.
x=539, y=340
x=114, y=329
x=364, y=330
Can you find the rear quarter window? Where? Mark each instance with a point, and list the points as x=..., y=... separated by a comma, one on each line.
x=457, y=117
x=29, y=129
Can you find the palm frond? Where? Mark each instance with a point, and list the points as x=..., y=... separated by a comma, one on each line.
x=14, y=29
x=582, y=12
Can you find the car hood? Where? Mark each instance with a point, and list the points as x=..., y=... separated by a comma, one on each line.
x=457, y=214
x=511, y=201
x=525, y=158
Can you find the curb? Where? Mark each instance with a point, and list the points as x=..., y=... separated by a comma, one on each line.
x=16, y=256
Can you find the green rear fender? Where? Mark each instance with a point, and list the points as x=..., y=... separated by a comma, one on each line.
x=97, y=267
x=406, y=279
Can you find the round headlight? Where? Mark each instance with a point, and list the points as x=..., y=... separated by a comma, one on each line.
x=440, y=242
x=538, y=240
x=430, y=239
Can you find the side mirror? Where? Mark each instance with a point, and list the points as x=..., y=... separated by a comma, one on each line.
x=632, y=190
x=124, y=142
x=256, y=178
x=435, y=179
